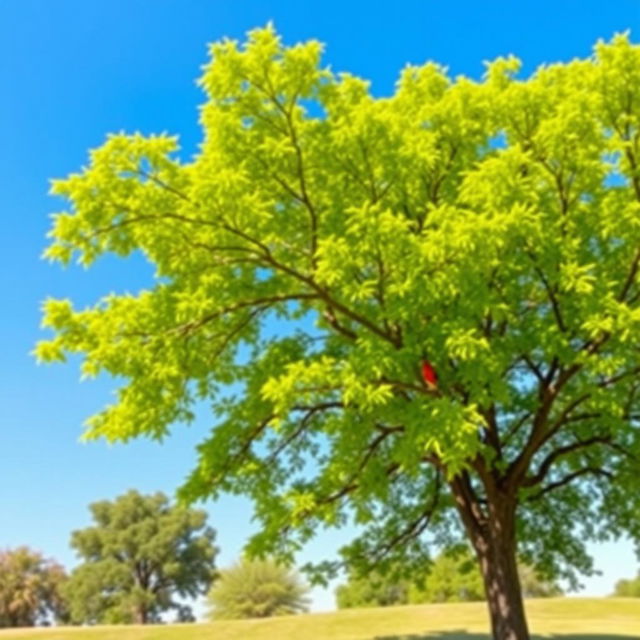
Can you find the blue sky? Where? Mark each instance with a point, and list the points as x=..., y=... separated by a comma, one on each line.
x=71, y=72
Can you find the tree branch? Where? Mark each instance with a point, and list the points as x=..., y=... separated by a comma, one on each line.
x=416, y=527
x=268, y=301
x=546, y=464
x=569, y=478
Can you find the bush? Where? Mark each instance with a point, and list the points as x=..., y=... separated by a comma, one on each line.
x=257, y=589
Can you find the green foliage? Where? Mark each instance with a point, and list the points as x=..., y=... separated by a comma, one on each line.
x=257, y=589
x=453, y=577
x=30, y=588
x=533, y=585
x=628, y=588
x=323, y=241
x=373, y=590
x=140, y=554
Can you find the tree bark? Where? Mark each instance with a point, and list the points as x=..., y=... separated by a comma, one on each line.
x=141, y=615
x=492, y=531
x=496, y=552
x=504, y=597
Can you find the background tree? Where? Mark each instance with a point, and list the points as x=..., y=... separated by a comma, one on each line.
x=453, y=577
x=628, y=588
x=373, y=590
x=29, y=589
x=489, y=228
x=534, y=585
x=141, y=553
x=257, y=589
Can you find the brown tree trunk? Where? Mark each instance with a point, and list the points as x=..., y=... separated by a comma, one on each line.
x=502, y=589
x=491, y=530
x=496, y=551
x=141, y=615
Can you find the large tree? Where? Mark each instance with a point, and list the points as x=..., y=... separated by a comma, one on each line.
x=30, y=589
x=141, y=554
x=323, y=245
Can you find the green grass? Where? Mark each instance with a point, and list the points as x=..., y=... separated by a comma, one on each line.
x=561, y=619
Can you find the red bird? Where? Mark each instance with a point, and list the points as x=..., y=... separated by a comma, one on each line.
x=429, y=374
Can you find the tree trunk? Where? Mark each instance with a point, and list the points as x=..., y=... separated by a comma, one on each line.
x=141, y=615
x=496, y=551
x=504, y=597
x=491, y=528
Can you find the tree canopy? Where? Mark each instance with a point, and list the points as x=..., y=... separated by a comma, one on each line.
x=30, y=588
x=628, y=588
x=325, y=244
x=375, y=589
x=140, y=555
x=257, y=589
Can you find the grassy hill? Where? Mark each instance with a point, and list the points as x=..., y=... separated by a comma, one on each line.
x=561, y=619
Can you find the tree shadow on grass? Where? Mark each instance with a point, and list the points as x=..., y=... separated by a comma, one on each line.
x=463, y=635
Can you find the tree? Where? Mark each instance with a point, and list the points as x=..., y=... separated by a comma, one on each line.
x=628, y=588
x=257, y=589
x=534, y=585
x=454, y=577
x=140, y=554
x=324, y=244
x=373, y=590
x=29, y=588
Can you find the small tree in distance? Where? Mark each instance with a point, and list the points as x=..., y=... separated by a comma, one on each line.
x=30, y=589
x=257, y=589
x=141, y=553
x=452, y=577
x=452, y=276
x=628, y=588
x=373, y=590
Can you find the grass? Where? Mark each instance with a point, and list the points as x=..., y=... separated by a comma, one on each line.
x=560, y=619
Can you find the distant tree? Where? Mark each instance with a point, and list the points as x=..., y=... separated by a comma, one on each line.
x=453, y=577
x=628, y=588
x=534, y=585
x=29, y=588
x=257, y=589
x=141, y=553
x=374, y=590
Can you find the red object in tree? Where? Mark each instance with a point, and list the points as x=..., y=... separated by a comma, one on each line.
x=429, y=374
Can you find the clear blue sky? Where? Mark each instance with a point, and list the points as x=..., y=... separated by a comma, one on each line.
x=73, y=71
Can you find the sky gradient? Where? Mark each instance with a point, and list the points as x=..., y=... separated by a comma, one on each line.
x=71, y=72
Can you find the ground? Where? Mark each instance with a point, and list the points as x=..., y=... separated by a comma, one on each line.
x=558, y=619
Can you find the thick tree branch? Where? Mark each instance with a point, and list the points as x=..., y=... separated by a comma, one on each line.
x=468, y=505
x=550, y=389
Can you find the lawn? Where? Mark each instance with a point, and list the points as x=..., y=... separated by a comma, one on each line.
x=561, y=618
